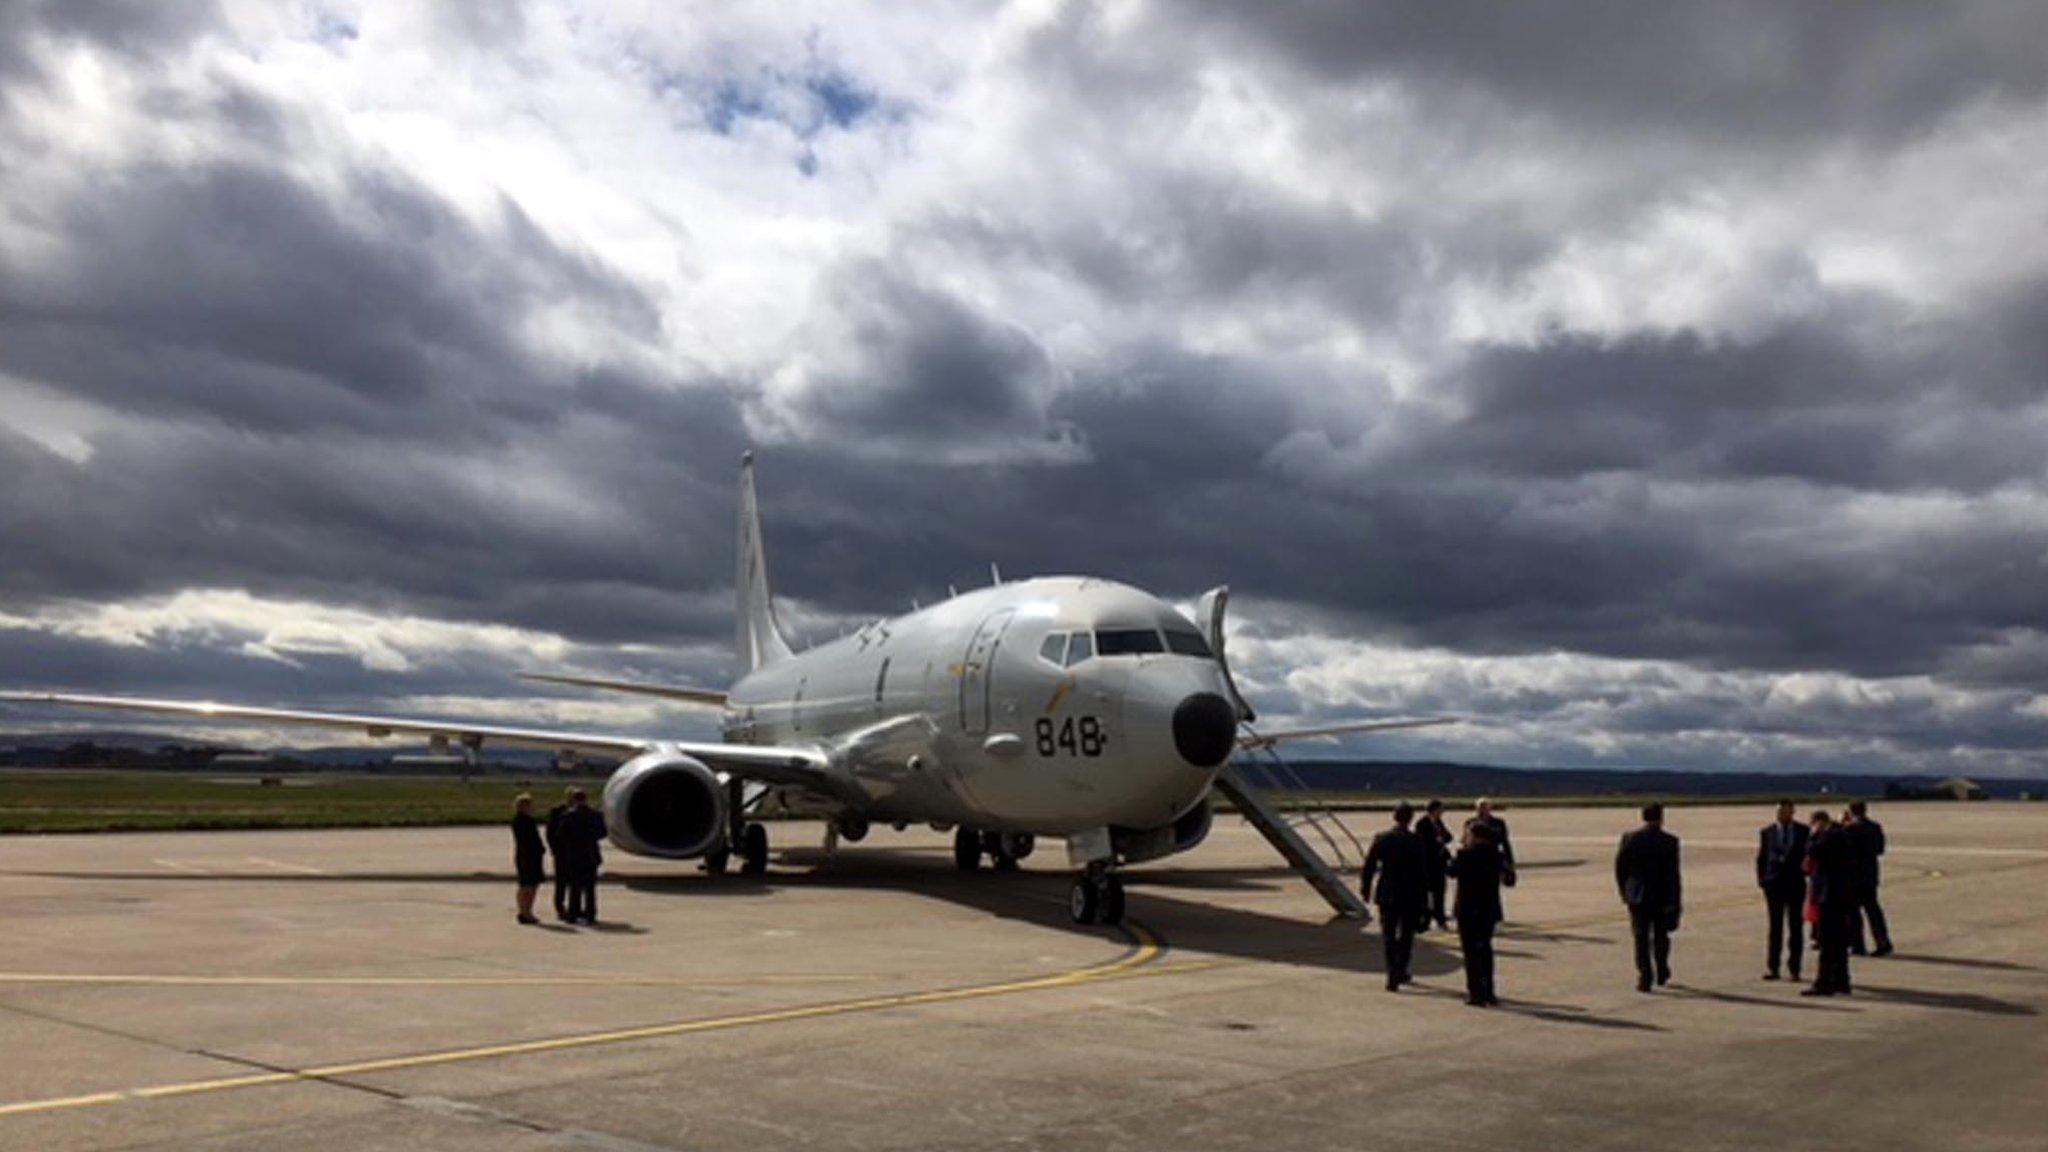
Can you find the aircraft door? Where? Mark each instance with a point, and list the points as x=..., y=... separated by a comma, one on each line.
x=977, y=671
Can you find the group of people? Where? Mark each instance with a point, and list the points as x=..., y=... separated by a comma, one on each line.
x=1821, y=875
x=571, y=835
x=1407, y=876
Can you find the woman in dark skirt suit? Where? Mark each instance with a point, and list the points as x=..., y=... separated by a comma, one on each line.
x=527, y=852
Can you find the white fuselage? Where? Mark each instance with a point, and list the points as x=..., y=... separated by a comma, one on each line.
x=976, y=711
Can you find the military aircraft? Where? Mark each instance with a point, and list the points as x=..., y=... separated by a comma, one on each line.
x=1073, y=707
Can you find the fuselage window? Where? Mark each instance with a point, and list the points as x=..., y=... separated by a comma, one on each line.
x=1187, y=642
x=1127, y=642
x=882, y=680
x=1054, y=650
x=1080, y=648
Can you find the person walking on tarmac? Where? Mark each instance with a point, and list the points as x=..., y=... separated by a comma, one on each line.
x=1868, y=837
x=1834, y=869
x=579, y=856
x=1647, y=874
x=1399, y=860
x=1481, y=873
x=554, y=845
x=1437, y=838
x=526, y=856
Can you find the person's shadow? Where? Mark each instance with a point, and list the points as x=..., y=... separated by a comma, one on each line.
x=1954, y=1001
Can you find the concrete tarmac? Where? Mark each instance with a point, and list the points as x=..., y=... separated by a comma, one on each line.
x=369, y=989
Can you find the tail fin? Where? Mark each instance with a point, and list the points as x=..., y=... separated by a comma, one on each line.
x=759, y=638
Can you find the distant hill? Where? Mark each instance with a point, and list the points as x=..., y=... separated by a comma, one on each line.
x=1422, y=779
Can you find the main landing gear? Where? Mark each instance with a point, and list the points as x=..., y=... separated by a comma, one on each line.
x=1003, y=849
x=753, y=853
x=1097, y=897
x=750, y=840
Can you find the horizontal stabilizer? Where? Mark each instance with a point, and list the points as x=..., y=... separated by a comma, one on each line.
x=1256, y=740
x=665, y=691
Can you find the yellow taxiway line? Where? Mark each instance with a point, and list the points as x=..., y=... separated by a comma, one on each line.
x=1146, y=948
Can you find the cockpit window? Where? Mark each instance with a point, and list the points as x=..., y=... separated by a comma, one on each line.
x=1185, y=641
x=1054, y=650
x=1127, y=641
x=1081, y=649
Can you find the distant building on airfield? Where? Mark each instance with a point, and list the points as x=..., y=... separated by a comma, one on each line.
x=1953, y=788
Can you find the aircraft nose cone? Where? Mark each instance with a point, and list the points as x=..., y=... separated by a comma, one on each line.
x=1205, y=729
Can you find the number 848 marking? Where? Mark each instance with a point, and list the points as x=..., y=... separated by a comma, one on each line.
x=1074, y=736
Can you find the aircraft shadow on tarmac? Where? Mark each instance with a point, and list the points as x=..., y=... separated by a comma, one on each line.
x=1039, y=898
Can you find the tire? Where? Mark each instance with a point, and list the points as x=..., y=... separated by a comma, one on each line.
x=966, y=849
x=1111, y=909
x=716, y=860
x=754, y=850
x=853, y=831
x=1022, y=845
x=1084, y=901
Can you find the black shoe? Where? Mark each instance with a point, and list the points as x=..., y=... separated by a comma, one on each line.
x=1773, y=975
x=1859, y=952
x=1795, y=975
x=1407, y=978
x=1883, y=950
x=1663, y=976
x=1493, y=1001
x=524, y=918
x=1643, y=985
x=1393, y=984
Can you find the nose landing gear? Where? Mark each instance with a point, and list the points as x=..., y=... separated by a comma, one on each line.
x=1097, y=897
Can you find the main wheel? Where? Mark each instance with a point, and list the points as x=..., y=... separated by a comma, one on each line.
x=966, y=849
x=997, y=845
x=1084, y=900
x=715, y=861
x=1022, y=844
x=1111, y=910
x=754, y=850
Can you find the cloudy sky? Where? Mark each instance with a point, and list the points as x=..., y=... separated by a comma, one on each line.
x=1654, y=385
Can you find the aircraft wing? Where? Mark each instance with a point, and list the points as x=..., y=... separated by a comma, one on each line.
x=1256, y=740
x=804, y=767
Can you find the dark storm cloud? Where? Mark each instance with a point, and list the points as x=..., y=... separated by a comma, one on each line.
x=1742, y=73
x=902, y=361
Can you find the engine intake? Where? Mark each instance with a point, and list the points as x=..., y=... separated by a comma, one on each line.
x=663, y=803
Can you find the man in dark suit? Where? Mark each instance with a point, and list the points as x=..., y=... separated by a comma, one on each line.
x=581, y=828
x=1781, y=873
x=1835, y=876
x=1867, y=836
x=1399, y=859
x=1481, y=874
x=554, y=844
x=1646, y=873
x=1437, y=837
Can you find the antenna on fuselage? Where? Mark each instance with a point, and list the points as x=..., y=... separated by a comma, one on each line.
x=952, y=593
x=995, y=574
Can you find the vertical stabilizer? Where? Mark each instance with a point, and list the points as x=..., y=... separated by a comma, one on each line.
x=760, y=638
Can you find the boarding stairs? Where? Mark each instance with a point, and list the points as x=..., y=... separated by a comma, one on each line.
x=1272, y=797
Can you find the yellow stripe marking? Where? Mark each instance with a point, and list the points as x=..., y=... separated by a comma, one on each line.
x=1146, y=950
x=1058, y=695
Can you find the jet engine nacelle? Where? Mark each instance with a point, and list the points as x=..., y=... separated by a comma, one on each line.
x=1135, y=845
x=663, y=803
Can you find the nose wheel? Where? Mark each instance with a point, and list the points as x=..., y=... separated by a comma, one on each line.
x=1097, y=898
